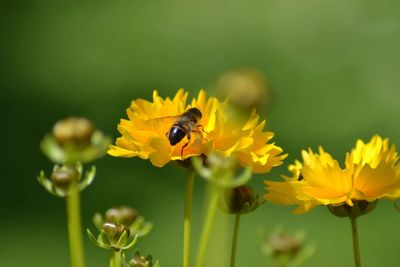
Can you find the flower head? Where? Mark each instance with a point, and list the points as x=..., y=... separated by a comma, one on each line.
x=144, y=133
x=74, y=139
x=246, y=88
x=141, y=261
x=66, y=179
x=371, y=172
x=287, y=249
x=240, y=200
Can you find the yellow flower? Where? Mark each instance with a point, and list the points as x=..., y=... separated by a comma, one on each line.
x=144, y=133
x=371, y=172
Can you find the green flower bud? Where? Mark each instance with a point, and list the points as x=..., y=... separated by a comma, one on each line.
x=74, y=140
x=221, y=163
x=141, y=261
x=221, y=170
x=66, y=179
x=287, y=249
x=359, y=208
x=114, y=231
x=138, y=261
x=284, y=244
x=114, y=236
x=123, y=215
x=239, y=199
x=245, y=88
x=73, y=130
x=63, y=177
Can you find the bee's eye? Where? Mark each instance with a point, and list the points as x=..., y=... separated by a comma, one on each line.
x=197, y=112
x=300, y=178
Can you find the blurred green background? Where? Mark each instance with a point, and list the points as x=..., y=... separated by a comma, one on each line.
x=333, y=67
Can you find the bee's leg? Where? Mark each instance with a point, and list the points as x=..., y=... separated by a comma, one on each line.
x=185, y=145
x=202, y=128
x=201, y=134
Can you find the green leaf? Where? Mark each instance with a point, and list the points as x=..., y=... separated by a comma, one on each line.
x=98, y=220
x=123, y=239
x=198, y=165
x=137, y=224
x=92, y=237
x=79, y=168
x=88, y=178
x=131, y=244
x=52, y=150
x=243, y=178
x=104, y=239
x=46, y=183
x=145, y=229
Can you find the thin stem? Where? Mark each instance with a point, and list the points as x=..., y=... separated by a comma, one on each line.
x=356, y=246
x=74, y=229
x=234, y=239
x=187, y=219
x=207, y=226
x=115, y=260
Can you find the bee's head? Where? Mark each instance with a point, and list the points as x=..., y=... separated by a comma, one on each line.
x=196, y=112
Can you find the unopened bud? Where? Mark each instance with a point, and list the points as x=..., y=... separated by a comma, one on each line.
x=246, y=88
x=114, y=231
x=73, y=130
x=236, y=198
x=283, y=244
x=221, y=170
x=123, y=215
x=141, y=261
x=359, y=208
x=63, y=177
x=222, y=163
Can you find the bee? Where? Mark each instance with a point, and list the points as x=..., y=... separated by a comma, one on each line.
x=184, y=125
x=181, y=125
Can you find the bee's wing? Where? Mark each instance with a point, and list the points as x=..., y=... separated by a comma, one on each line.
x=162, y=124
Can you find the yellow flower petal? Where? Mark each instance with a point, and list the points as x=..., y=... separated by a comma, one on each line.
x=144, y=133
x=289, y=194
x=326, y=181
x=377, y=173
x=371, y=172
x=162, y=151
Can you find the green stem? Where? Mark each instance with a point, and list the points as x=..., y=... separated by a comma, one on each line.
x=74, y=229
x=187, y=219
x=115, y=260
x=356, y=246
x=234, y=239
x=205, y=234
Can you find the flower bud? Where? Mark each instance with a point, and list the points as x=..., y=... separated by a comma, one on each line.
x=359, y=208
x=114, y=236
x=74, y=140
x=240, y=200
x=284, y=244
x=73, y=130
x=221, y=170
x=245, y=88
x=288, y=249
x=236, y=198
x=123, y=215
x=217, y=161
x=63, y=177
x=114, y=231
x=141, y=261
